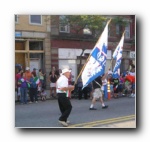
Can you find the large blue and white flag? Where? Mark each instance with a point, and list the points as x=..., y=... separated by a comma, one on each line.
x=117, y=55
x=96, y=64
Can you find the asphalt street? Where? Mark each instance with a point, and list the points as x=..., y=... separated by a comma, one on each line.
x=46, y=114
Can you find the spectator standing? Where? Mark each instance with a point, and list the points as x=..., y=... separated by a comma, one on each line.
x=132, y=74
x=33, y=88
x=70, y=80
x=85, y=91
x=104, y=85
x=23, y=88
x=34, y=71
x=109, y=78
x=90, y=85
x=28, y=74
x=80, y=85
x=41, y=77
x=53, y=79
x=18, y=76
x=56, y=72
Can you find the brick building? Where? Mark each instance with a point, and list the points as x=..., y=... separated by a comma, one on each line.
x=66, y=46
x=32, y=42
x=42, y=42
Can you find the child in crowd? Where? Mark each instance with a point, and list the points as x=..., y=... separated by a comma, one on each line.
x=43, y=95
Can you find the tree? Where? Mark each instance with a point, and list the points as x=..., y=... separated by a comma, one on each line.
x=94, y=23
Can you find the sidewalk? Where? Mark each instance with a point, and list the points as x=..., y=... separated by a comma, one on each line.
x=47, y=97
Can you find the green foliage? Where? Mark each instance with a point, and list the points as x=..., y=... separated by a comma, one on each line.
x=120, y=21
x=94, y=23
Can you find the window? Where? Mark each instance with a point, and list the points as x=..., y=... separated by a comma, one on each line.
x=63, y=25
x=64, y=28
x=127, y=31
x=16, y=18
x=36, y=19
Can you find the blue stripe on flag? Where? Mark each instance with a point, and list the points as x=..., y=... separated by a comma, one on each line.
x=117, y=66
x=100, y=58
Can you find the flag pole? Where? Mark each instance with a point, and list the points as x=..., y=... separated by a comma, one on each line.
x=89, y=57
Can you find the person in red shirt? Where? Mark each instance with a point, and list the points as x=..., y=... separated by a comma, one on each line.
x=131, y=79
x=17, y=86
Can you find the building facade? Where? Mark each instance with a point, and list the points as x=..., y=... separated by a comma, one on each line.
x=67, y=46
x=32, y=42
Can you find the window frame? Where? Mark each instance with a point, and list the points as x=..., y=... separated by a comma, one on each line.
x=66, y=27
x=32, y=23
x=127, y=31
x=16, y=17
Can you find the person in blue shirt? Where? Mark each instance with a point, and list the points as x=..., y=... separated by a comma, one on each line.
x=23, y=88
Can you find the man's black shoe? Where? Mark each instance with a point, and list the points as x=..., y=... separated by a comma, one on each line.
x=104, y=107
x=92, y=108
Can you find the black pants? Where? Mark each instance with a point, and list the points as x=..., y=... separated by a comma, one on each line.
x=65, y=106
x=85, y=92
x=33, y=94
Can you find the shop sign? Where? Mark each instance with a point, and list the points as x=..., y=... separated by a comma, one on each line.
x=132, y=54
x=18, y=34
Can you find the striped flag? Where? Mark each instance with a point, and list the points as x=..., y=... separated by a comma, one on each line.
x=37, y=80
x=68, y=94
x=117, y=55
x=96, y=64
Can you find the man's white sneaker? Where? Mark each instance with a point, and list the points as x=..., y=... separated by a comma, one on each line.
x=63, y=123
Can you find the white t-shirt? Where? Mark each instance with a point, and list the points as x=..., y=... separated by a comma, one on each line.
x=61, y=82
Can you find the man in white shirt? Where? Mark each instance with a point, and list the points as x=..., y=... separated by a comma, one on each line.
x=63, y=89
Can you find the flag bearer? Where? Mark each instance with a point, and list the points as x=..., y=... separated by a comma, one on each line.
x=97, y=94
